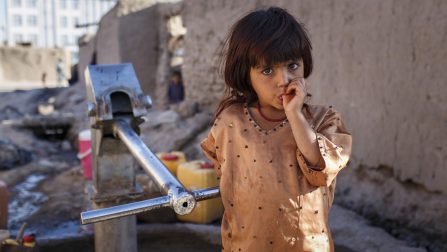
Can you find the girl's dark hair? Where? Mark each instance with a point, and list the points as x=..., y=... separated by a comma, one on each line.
x=263, y=36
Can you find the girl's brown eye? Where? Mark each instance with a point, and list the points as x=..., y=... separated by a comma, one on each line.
x=293, y=66
x=267, y=71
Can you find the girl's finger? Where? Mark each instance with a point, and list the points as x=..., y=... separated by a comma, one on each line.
x=292, y=89
x=296, y=89
x=303, y=85
x=298, y=81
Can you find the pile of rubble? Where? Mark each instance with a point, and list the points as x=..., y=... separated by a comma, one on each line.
x=38, y=157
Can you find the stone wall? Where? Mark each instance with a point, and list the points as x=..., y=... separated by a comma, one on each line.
x=381, y=64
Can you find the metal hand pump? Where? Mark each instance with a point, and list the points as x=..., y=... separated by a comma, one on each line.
x=181, y=200
x=116, y=105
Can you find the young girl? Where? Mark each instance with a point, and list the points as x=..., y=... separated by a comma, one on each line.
x=276, y=156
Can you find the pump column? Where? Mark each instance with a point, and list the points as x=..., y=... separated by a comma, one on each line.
x=113, y=91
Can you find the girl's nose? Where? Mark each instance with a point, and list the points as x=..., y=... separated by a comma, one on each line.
x=284, y=77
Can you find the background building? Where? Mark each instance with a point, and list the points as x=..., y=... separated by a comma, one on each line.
x=50, y=23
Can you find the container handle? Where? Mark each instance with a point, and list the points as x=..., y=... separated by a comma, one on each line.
x=84, y=154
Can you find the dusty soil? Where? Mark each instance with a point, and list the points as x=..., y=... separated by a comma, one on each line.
x=57, y=198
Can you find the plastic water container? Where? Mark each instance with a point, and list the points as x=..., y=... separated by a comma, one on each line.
x=195, y=175
x=85, y=153
x=172, y=160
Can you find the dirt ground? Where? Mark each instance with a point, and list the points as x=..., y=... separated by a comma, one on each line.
x=61, y=186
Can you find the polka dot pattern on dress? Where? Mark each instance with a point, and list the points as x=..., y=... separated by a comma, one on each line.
x=263, y=156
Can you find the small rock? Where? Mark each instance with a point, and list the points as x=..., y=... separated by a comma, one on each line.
x=46, y=163
x=45, y=109
x=155, y=119
x=11, y=155
x=10, y=112
x=186, y=108
x=168, y=116
x=65, y=145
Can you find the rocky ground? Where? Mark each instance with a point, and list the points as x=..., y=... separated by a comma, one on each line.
x=38, y=162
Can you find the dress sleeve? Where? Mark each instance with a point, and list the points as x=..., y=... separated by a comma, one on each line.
x=335, y=145
x=208, y=146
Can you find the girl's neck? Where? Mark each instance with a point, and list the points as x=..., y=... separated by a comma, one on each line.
x=270, y=116
x=270, y=113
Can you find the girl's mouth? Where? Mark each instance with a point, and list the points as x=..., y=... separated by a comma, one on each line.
x=281, y=96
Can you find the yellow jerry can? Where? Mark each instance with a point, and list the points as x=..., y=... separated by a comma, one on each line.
x=195, y=175
x=172, y=160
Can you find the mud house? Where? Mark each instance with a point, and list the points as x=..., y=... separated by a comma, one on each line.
x=135, y=32
x=24, y=67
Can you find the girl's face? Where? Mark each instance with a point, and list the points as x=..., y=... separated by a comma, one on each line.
x=270, y=82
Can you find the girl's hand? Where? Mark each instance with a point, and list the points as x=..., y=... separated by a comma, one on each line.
x=294, y=94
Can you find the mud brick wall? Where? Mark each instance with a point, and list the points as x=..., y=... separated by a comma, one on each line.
x=136, y=33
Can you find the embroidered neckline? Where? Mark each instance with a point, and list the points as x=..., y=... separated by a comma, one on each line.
x=259, y=128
